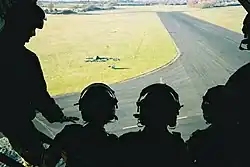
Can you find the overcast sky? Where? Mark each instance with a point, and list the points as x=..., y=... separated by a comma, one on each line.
x=83, y=0
x=66, y=0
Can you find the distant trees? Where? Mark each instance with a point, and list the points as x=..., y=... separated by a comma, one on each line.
x=76, y=7
x=209, y=3
x=192, y=3
x=51, y=6
x=202, y=3
x=40, y=3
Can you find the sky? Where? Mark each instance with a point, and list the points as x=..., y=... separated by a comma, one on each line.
x=111, y=0
x=65, y=0
x=79, y=0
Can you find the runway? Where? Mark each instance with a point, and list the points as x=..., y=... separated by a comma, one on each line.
x=209, y=55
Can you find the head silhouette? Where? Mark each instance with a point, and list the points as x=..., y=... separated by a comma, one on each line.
x=216, y=106
x=98, y=104
x=27, y=17
x=240, y=80
x=158, y=106
x=246, y=32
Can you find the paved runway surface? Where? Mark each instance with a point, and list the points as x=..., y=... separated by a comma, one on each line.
x=209, y=55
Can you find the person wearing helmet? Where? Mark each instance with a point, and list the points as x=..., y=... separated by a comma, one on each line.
x=216, y=145
x=246, y=32
x=27, y=17
x=239, y=84
x=158, y=107
x=88, y=145
x=24, y=89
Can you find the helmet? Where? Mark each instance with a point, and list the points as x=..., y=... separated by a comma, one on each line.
x=39, y=16
x=97, y=100
x=246, y=32
x=239, y=85
x=216, y=103
x=157, y=94
x=240, y=79
x=213, y=97
x=26, y=14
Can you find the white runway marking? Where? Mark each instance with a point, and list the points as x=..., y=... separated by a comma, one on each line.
x=130, y=127
x=184, y=117
x=161, y=80
x=135, y=126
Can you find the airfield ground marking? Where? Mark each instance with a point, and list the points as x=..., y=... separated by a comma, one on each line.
x=135, y=126
x=161, y=80
x=129, y=127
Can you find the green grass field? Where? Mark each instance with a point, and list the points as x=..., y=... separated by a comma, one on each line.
x=138, y=39
x=227, y=17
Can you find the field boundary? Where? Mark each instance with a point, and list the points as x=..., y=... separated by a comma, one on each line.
x=178, y=54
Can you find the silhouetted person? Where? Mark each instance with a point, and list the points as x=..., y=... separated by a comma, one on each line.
x=217, y=144
x=239, y=84
x=240, y=79
x=246, y=27
x=158, y=108
x=89, y=145
x=23, y=86
x=246, y=32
